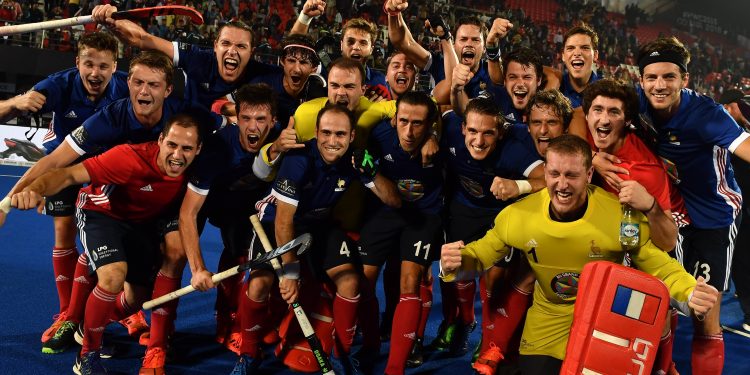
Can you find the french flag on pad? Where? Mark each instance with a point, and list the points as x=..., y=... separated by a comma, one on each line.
x=635, y=304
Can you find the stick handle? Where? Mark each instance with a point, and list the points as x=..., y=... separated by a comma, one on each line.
x=216, y=278
x=5, y=205
x=45, y=25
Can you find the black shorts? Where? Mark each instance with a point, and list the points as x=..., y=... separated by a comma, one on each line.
x=63, y=203
x=416, y=236
x=107, y=240
x=539, y=365
x=708, y=252
x=469, y=224
x=230, y=211
x=330, y=247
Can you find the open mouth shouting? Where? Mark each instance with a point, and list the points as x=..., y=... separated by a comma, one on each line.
x=343, y=101
x=402, y=81
x=175, y=166
x=520, y=96
x=563, y=197
x=144, y=104
x=253, y=141
x=467, y=57
x=577, y=64
x=95, y=84
x=357, y=56
x=231, y=66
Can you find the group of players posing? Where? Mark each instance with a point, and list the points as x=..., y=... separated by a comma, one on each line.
x=296, y=160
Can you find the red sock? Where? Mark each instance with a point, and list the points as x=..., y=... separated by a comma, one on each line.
x=253, y=317
x=403, y=332
x=425, y=294
x=83, y=284
x=122, y=308
x=99, y=308
x=449, y=296
x=162, y=317
x=64, y=265
x=488, y=324
x=369, y=318
x=465, y=291
x=512, y=308
x=708, y=355
x=228, y=296
x=345, y=322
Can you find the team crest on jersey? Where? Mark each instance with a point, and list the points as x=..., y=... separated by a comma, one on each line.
x=410, y=190
x=340, y=185
x=673, y=139
x=595, y=251
x=671, y=170
x=565, y=285
x=472, y=187
x=285, y=186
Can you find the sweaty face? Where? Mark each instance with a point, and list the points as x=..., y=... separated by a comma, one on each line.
x=177, y=150
x=254, y=121
x=578, y=56
x=661, y=83
x=233, y=51
x=521, y=83
x=411, y=126
x=148, y=89
x=469, y=46
x=345, y=87
x=296, y=71
x=481, y=134
x=356, y=44
x=96, y=68
x=606, y=120
x=334, y=135
x=401, y=74
x=567, y=179
x=544, y=125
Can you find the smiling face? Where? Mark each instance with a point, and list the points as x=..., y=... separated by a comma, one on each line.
x=95, y=68
x=469, y=46
x=401, y=74
x=148, y=89
x=254, y=121
x=233, y=51
x=411, y=126
x=567, y=178
x=296, y=71
x=345, y=87
x=334, y=134
x=578, y=56
x=662, y=83
x=521, y=83
x=356, y=44
x=544, y=125
x=481, y=134
x=177, y=149
x=606, y=120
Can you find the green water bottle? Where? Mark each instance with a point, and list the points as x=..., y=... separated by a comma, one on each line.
x=630, y=228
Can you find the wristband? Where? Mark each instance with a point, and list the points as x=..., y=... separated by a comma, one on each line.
x=291, y=271
x=652, y=207
x=304, y=19
x=493, y=53
x=390, y=12
x=5, y=205
x=524, y=187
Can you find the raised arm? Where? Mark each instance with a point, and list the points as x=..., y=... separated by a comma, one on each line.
x=131, y=33
x=310, y=10
x=498, y=31
x=31, y=101
x=400, y=35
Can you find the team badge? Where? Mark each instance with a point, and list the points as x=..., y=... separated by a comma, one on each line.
x=565, y=285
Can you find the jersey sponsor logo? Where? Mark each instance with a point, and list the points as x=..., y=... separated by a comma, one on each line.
x=79, y=135
x=472, y=187
x=286, y=187
x=340, y=185
x=71, y=114
x=565, y=285
x=183, y=46
x=389, y=158
x=410, y=190
x=147, y=188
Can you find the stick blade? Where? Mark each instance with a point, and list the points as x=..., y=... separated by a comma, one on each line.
x=301, y=244
x=165, y=10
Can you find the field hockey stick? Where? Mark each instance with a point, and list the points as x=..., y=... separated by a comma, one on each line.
x=5, y=208
x=301, y=243
x=133, y=14
x=736, y=331
x=304, y=322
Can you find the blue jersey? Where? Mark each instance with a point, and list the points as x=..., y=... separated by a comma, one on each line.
x=67, y=99
x=514, y=158
x=116, y=124
x=286, y=104
x=203, y=83
x=224, y=164
x=576, y=98
x=305, y=181
x=695, y=144
x=500, y=96
x=420, y=187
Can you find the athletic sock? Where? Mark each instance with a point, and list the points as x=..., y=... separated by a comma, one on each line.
x=345, y=322
x=64, y=265
x=512, y=308
x=449, y=295
x=708, y=354
x=99, y=308
x=425, y=294
x=253, y=316
x=403, y=332
x=122, y=308
x=83, y=284
x=465, y=291
x=369, y=319
x=488, y=324
x=162, y=317
x=228, y=296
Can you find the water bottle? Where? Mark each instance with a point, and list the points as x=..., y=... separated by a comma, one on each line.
x=630, y=229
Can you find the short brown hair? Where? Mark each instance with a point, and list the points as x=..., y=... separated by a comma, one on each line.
x=238, y=25
x=346, y=63
x=487, y=107
x=154, y=60
x=471, y=20
x=614, y=89
x=184, y=120
x=100, y=40
x=361, y=24
x=666, y=44
x=556, y=101
x=336, y=108
x=256, y=94
x=584, y=29
x=568, y=144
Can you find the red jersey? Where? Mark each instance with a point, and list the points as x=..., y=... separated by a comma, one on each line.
x=126, y=184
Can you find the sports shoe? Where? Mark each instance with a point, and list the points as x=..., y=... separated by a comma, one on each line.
x=50, y=332
x=444, y=336
x=89, y=364
x=234, y=342
x=136, y=324
x=345, y=365
x=475, y=354
x=487, y=362
x=246, y=365
x=416, y=356
x=153, y=362
x=62, y=339
x=365, y=360
x=460, y=343
x=105, y=351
